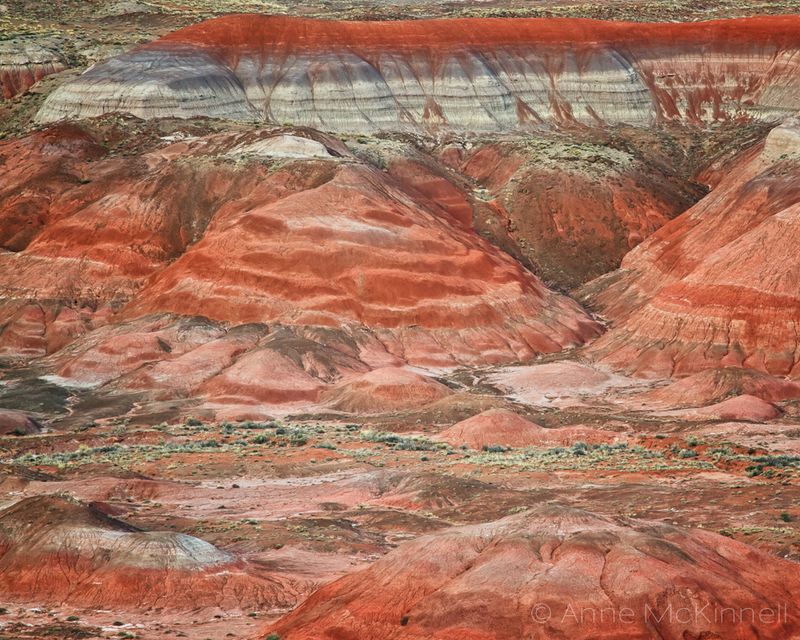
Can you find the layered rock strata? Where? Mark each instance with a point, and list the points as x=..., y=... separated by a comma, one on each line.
x=470, y=74
x=717, y=286
x=24, y=62
x=57, y=550
x=541, y=573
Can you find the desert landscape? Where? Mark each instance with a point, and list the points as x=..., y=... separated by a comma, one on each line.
x=421, y=320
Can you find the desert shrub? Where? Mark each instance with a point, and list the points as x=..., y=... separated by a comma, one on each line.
x=399, y=443
x=495, y=448
x=297, y=439
x=580, y=448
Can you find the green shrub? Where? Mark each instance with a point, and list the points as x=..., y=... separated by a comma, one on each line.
x=580, y=448
x=495, y=448
x=297, y=440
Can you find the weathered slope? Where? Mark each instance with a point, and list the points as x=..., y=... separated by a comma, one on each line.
x=24, y=62
x=717, y=286
x=55, y=550
x=135, y=268
x=474, y=74
x=357, y=249
x=616, y=197
x=508, y=429
x=538, y=574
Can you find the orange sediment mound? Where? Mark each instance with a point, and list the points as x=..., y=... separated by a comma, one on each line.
x=518, y=577
x=56, y=550
x=506, y=428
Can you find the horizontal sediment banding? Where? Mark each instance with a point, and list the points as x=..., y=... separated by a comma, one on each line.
x=474, y=74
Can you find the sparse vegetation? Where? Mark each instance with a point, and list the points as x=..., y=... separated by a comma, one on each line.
x=583, y=456
x=402, y=443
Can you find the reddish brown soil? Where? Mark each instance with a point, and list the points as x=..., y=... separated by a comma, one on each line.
x=237, y=32
x=507, y=429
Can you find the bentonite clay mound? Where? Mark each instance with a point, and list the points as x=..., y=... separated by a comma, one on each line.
x=18, y=423
x=555, y=382
x=319, y=239
x=715, y=385
x=473, y=74
x=745, y=408
x=506, y=428
x=542, y=574
x=718, y=286
x=55, y=550
x=385, y=389
x=24, y=62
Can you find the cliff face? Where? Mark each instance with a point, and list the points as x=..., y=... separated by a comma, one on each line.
x=470, y=74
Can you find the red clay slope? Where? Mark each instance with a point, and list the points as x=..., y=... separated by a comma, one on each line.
x=260, y=33
x=717, y=286
x=550, y=573
x=227, y=228
x=55, y=550
x=508, y=429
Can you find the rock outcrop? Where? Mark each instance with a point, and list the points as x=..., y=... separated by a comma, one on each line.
x=470, y=74
x=544, y=573
x=57, y=550
x=718, y=286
